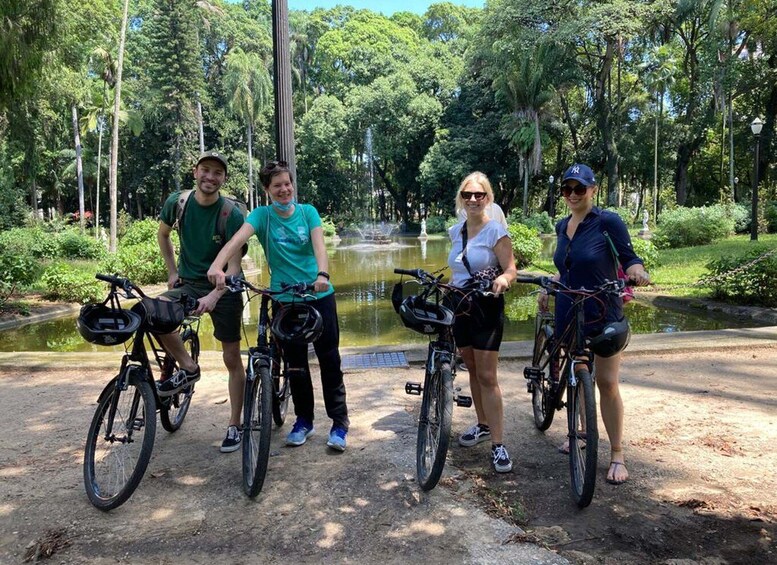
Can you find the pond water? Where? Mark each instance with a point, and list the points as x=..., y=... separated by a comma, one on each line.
x=363, y=277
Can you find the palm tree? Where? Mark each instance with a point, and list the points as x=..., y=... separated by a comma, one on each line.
x=248, y=86
x=660, y=68
x=526, y=90
x=115, y=135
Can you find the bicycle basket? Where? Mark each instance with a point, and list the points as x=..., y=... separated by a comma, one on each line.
x=297, y=323
x=613, y=339
x=159, y=316
x=104, y=325
x=424, y=317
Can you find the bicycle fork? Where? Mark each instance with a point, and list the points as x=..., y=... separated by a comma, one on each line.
x=439, y=353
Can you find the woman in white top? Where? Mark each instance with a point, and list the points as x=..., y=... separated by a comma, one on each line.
x=480, y=243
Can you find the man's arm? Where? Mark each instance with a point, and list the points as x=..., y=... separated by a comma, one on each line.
x=168, y=253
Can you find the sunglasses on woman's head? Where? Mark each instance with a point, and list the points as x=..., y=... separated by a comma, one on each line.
x=274, y=164
x=580, y=189
x=466, y=195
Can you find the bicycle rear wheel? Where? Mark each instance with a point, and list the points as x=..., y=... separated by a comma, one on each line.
x=173, y=409
x=257, y=424
x=281, y=389
x=119, y=442
x=544, y=389
x=583, y=438
x=434, y=426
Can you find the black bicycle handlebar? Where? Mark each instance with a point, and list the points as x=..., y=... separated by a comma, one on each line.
x=553, y=285
x=237, y=283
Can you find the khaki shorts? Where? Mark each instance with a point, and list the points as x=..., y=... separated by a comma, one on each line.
x=226, y=316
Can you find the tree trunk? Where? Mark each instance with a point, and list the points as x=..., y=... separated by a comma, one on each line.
x=250, y=134
x=100, y=128
x=115, y=134
x=604, y=123
x=79, y=170
x=201, y=127
x=767, y=134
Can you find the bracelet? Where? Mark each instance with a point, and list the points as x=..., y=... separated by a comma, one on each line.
x=323, y=274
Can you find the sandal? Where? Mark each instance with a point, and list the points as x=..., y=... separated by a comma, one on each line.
x=614, y=481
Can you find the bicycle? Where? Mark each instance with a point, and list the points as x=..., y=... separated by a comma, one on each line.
x=121, y=435
x=267, y=388
x=425, y=314
x=562, y=365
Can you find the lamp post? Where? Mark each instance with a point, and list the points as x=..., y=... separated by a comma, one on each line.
x=755, y=127
x=552, y=202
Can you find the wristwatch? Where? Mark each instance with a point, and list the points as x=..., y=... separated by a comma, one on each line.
x=323, y=274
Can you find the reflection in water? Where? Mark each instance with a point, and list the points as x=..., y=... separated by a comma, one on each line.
x=363, y=281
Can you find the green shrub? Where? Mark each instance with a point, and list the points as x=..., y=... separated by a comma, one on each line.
x=74, y=245
x=450, y=222
x=328, y=226
x=685, y=227
x=770, y=214
x=646, y=251
x=34, y=241
x=753, y=285
x=542, y=222
x=526, y=244
x=139, y=232
x=741, y=215
x=16, y=270
x=142, y=263
x=63, y=282
x=436, y=224
x=626, y=215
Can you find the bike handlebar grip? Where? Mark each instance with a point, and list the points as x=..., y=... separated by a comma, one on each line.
x=527, y=279
x=412, y=272
x=232, y=280
x=110, y=279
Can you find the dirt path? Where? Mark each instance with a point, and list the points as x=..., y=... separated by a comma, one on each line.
x=700, y=434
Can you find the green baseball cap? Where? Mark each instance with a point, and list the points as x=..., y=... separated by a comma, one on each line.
x=214, y=156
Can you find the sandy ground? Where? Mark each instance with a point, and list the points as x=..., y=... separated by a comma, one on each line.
x=701, y=429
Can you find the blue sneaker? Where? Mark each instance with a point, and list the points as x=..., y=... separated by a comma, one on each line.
x=300, y=432
x=337, y=438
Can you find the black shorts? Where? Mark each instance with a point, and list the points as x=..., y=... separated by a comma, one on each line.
x=227, y=316
x=482, y=326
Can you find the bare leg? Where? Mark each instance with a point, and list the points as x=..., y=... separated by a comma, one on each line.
x=174, y=346
x=489, y=391
x=611, y=405
x=468, y=356
x=234, y=363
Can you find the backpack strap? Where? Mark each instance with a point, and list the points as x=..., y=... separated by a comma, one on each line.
x=227, y=206
x=180, y=208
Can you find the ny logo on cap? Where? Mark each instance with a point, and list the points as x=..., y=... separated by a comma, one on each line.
x=575, y=170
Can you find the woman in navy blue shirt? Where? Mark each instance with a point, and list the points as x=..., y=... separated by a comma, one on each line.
x=584, y=258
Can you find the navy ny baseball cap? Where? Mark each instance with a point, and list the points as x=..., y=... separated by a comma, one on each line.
x=581, y=173
x=214, y=156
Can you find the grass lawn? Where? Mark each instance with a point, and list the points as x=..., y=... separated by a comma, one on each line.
x=687, y=265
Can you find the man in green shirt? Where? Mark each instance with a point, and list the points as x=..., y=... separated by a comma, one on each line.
x=200, y=242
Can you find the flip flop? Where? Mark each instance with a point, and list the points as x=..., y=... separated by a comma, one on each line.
x=613, y=481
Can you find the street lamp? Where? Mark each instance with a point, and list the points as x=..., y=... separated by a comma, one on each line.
x=552, y=203
x=755, y=126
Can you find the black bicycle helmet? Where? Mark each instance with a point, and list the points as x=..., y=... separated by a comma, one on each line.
x=103, y=325
x=614, y=338
x=423, y=316
x=297, y=323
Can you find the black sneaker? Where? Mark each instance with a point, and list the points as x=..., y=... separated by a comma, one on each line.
x=232, y=441
x=501, y=459
x=474, y=435
x=177, y=381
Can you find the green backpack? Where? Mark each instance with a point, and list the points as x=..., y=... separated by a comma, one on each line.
x=228, y=204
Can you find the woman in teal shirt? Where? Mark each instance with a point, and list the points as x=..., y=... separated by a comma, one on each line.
x=293, y=243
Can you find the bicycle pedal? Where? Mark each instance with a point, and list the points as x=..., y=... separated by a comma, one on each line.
x=413, y=388
x=464, y=401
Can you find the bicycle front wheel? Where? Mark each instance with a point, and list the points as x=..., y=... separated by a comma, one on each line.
x=257, y=424
x=119, y=443
x=281, y=390
x=434, y=426
x=543, y=390
x=173, y=409
x=583, y=438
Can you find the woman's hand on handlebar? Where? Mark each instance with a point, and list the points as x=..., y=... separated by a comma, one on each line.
x=639, y=275
x=216, y=277
x=500, y=285
x=321, y=284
